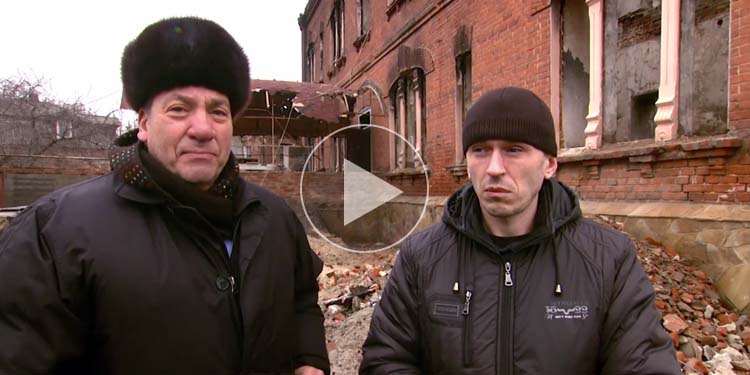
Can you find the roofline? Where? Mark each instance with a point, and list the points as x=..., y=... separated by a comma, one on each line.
x=303, y=19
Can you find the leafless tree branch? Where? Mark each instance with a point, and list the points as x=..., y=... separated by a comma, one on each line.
x=33, y=123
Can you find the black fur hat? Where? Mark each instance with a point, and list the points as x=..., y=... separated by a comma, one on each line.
x=185, y=51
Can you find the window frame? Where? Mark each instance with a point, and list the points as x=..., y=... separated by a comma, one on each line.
x=337, y=30
x=409, y=90
x=463, y=99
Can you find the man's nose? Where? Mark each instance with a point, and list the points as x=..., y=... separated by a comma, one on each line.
x=201, y=127
x=497, y=164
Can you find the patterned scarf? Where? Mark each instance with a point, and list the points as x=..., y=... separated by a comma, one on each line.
x=131, y=160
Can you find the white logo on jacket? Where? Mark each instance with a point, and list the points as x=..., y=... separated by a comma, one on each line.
x=567, y=310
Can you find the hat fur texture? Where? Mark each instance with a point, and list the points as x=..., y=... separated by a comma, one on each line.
x=181, y=52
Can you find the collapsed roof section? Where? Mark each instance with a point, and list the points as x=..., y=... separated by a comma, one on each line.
x=297, y=109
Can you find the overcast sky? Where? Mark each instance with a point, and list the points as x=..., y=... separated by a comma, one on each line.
x=76, y=45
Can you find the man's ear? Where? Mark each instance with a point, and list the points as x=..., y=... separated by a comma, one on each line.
x=551, y=168
x=142, y=126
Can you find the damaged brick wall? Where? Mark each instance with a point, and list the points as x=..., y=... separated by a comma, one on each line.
x=576, y=66
x=632, y=30
x=704, y=67
x=739, y=67
x=710, y=170
x=635, y=68
x=639, y=26
x=709, y=9
x=317, y=187
x=498, y=30
x=22, y=186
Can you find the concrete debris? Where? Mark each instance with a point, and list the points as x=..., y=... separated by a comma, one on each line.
x=708, y=312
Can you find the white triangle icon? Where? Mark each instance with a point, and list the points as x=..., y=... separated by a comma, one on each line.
x=364, y=192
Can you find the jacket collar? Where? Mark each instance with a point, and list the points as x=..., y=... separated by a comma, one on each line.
x=558, y=205
x=133, y=182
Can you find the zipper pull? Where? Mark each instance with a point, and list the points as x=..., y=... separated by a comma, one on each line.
x=232, y=283
x=467, y=301
x=508, y=278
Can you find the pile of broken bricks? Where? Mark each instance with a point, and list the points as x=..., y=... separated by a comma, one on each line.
x=709, y=338
x=348, y=290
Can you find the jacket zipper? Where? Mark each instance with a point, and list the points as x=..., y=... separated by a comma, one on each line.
x=467, y=302
x=467, y=329
x=505, y=320
x=508, y=277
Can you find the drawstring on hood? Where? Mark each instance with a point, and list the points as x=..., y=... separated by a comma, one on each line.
x=465, y=271
x=464, y=252
x=556, y=254
x=464, y=279
x=548, y=199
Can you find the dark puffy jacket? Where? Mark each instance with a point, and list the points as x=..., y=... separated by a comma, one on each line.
x=101, y=278
x=457, y=304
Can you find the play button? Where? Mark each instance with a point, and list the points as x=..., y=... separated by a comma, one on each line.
x=359, y=210
x=364, y=192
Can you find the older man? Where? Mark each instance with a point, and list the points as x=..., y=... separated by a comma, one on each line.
x=171, y=263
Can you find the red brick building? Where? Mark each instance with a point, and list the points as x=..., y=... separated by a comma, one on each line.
x=651, y=99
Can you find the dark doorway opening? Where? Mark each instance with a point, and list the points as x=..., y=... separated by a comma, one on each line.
x=642, y=120
x=358, y=142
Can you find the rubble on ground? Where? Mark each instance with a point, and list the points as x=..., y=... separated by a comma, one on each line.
x=709, y=338
x=351, y=284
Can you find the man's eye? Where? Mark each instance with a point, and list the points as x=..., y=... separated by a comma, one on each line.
x=177, y=109
x=515, y=149
x=220, y=112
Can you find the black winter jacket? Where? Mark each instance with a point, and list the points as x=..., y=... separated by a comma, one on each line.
x=102, y=278
x=457, y=304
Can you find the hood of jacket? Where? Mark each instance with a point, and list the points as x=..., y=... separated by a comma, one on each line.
x=558, y=205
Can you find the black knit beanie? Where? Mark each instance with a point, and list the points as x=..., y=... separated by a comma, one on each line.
x=185, y=51
x=512, y=114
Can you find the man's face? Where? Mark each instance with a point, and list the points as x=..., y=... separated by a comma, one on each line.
x=189, y=130
x=507, y=177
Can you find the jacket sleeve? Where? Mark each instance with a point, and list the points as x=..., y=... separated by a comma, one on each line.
x=311, y=346
x=392, y=344
x=634, y=341
x=41, y=331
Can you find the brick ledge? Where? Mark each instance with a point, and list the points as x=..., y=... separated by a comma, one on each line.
x=650, y=150
x=693, y=211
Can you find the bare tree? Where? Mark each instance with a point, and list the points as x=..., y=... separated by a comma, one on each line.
x=32, y=128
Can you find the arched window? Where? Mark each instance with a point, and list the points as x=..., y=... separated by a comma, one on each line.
x=410, y=118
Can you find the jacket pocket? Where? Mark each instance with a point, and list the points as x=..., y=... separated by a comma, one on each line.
x=449, y=331
x=446, y=309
